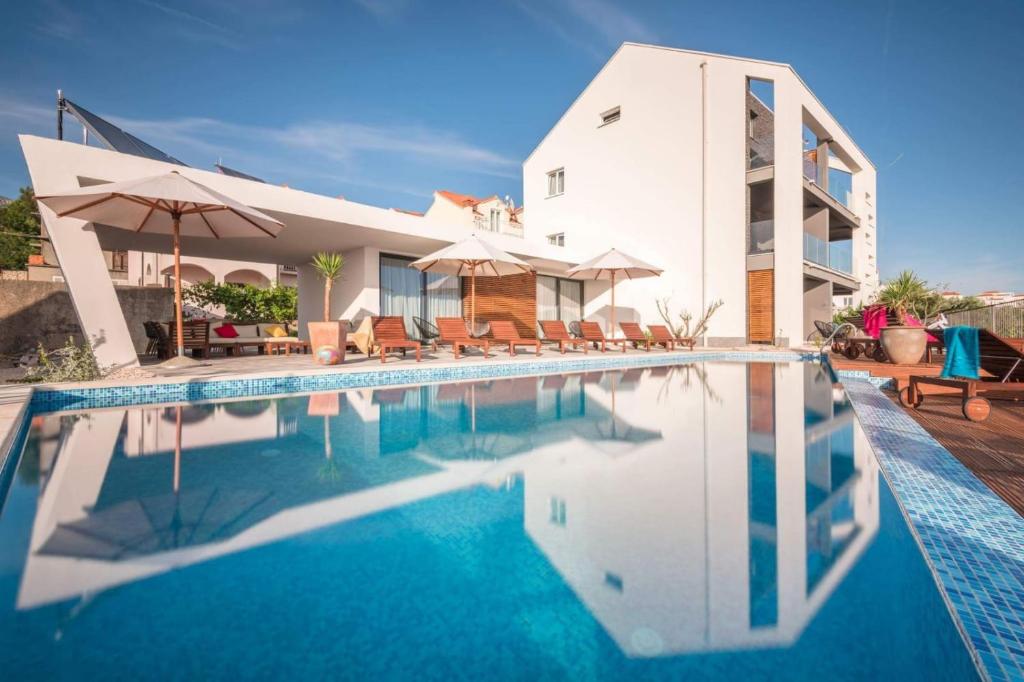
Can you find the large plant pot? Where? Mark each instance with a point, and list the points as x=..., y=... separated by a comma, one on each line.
x=904, y=345
x=328, y=334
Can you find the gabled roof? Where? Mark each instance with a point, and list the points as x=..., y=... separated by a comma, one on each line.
x=464, y=200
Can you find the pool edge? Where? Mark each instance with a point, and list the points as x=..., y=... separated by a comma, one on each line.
x=953, y=516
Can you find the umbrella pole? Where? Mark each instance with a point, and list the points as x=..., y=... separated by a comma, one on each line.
x=611, y=332
x=472, y=299
x=177, y=286
x=177, y=449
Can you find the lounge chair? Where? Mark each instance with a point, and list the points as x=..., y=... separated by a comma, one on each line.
x=503, y=331
x=389, y=334
x=591, y=332
x=453, y=331
x=195, y=336
x=662, y=336
x=636, y=335
x=996, y=356
x=555, y=332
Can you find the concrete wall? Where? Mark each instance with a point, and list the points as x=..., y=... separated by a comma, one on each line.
x=31, y=312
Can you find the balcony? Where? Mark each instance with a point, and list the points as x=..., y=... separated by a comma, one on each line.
x=762, y=237
x=837, y=256
x=483, y=224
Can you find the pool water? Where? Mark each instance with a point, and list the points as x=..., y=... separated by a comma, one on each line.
x=706, y=521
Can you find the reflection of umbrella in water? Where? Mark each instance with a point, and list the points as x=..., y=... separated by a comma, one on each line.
x=157, y=523
x=613, y=434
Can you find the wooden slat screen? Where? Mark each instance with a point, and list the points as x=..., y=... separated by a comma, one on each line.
x=761, y=376
x=513, y=298
x=761, y=306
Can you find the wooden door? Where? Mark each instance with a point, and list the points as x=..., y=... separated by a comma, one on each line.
x=761, y=306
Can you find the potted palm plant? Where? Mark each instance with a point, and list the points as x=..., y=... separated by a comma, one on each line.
x=328, y=332
x=903, y=344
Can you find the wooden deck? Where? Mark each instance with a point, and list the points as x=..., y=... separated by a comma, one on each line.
x=992, y=449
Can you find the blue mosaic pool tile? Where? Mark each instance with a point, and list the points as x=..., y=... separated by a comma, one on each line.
x=50, y=400
x=973, y=541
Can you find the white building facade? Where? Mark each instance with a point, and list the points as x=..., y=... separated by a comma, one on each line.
x=673, y=157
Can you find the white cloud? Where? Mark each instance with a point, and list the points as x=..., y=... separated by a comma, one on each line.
x=593, y=26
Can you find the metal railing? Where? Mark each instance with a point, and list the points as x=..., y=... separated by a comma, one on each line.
x=1004, y=319
x=484, y=224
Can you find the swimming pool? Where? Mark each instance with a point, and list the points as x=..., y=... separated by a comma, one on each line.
x=713, y=520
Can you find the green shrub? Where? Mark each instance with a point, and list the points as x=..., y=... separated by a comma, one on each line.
x=246, y=302
x=69, y=363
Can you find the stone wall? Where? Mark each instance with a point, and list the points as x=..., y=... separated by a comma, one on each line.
x=31, y=312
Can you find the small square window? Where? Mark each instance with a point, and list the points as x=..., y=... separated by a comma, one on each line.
x=557, y=239
x=611, y=116
x=556, y=182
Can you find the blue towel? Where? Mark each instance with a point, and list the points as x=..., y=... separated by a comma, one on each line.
x=962, y=354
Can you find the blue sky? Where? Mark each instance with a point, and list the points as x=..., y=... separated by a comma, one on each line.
x=382, y=101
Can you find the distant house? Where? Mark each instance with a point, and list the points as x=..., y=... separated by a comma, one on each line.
x=994, y=297
x=488, y=214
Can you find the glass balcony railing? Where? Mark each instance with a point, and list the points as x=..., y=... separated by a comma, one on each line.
x=815, y=250
x=840, y=256
x=836, y=256
x=762, y=237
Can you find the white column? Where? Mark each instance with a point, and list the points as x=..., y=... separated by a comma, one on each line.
x=789, y=211
x=92, y=293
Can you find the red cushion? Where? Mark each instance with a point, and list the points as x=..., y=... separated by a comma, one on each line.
x=226, y=331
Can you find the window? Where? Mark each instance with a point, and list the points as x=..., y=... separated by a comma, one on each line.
x=406, y=292
x=557, y=239
x=751, y=126
x=495, y=219
x=559, y=299
x=557, y=511
x=611, y=116
x=556, y=182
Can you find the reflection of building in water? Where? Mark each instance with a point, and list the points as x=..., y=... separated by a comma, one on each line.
x=693, y=508
x=729, y=533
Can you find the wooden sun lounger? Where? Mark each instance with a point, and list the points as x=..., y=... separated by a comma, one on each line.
x=662, y=336
x=998, y=358
x=635, y=334
x=503, y=331
x=555, y=332
x=453, y=331
x=591, y=332
x=389, y=334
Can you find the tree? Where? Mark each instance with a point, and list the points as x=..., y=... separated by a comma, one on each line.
x=245, y=303
x=328, y=266
x=18, y=218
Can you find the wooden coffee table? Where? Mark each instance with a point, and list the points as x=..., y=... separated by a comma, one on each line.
x=289, y=346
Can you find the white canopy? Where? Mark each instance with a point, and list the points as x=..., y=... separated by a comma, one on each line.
x=611, y=264
x=472, y=256
x=149, y=204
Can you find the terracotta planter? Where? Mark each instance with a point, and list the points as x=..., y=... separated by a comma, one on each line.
x=328, y=334
x=904, y=345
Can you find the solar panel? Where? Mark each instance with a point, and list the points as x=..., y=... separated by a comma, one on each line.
x=115, y=138
x=237, y=174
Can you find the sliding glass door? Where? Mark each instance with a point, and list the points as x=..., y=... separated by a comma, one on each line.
x=559, y=299
x=406, y=292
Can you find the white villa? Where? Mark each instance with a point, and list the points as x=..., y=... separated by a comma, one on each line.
x=727, y=172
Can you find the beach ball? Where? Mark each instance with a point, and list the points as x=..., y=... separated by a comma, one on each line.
x=328, y=355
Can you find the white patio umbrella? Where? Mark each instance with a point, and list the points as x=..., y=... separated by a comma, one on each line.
x=610, y=265
x=472, y=257
x=164, y=204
